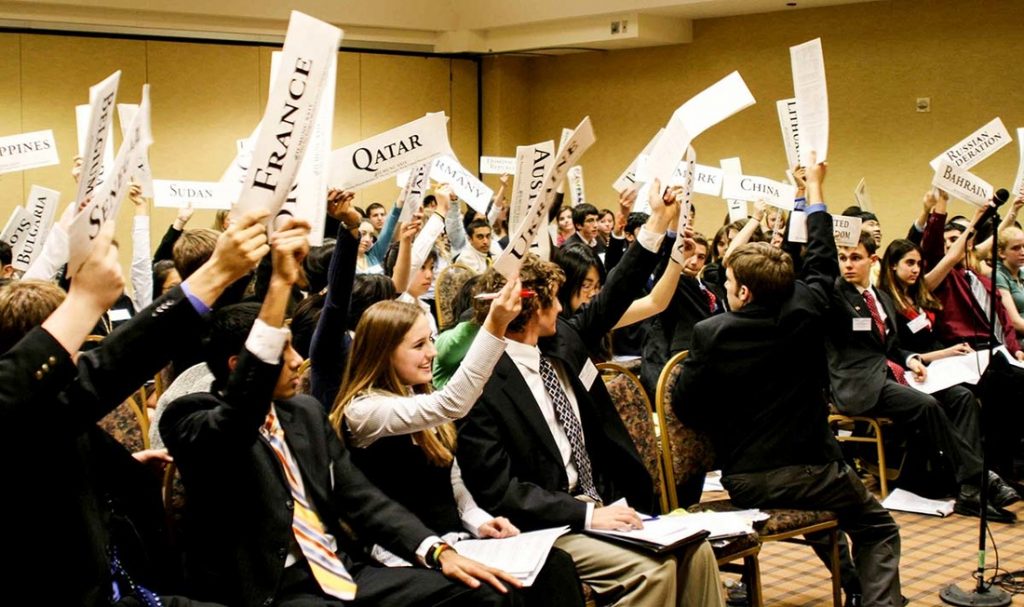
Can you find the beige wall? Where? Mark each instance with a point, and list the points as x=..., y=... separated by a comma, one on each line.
x=879, y=56
x=204, y=97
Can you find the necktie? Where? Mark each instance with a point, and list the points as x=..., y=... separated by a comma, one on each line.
x=897, y=371
x=316, y=544
x=712, y=300
x=573, y=430
x=981, y=296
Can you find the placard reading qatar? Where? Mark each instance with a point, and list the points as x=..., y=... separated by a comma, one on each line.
x=382, y=156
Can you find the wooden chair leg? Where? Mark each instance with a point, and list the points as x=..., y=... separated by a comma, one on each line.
x=837, y=598
x=752, y=579
x=883, y=472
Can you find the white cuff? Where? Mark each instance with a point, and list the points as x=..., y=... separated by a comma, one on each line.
x=590, y=515
x=424, y=547
x=266, y=342
x=650, y=240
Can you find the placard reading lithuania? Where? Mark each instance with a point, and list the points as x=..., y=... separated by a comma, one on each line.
x=961, y=184
x=177, y=193
x=381, y=156
x=811, y=92
x=749, y=188
x=497, y=165
x=102, y=98
x=286, y=128
x=474, y=192
x=40, y=209
x=1018, y=183
x=27, y=151
x=790, y=130
x=976, y=147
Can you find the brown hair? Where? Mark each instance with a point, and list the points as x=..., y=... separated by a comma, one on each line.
x=380, y=330
x=193, y=249
x=544, y=278
x=26, y=304
x=905, y=296
x=765, y=270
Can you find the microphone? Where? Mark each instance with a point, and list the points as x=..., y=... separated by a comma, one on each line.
x=998, y=200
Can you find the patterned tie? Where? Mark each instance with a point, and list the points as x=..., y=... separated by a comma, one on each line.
x=897, y=371
x=317, y=545
x=573, y=430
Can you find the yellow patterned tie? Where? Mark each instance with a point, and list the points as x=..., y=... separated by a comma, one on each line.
x=317, y=545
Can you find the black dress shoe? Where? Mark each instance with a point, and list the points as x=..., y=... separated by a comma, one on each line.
x=968, y=503
x=999, y=492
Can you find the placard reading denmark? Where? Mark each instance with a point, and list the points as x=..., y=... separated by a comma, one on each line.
x=749, y=188
x=961, y=184
x=177, y=193
x=497, y=165
x=976, y=147
x=382, y=156
x=28, y=151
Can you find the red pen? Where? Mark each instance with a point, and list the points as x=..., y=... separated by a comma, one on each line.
x=489, y=296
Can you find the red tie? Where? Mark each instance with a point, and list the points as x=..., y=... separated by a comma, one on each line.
x=897, y=371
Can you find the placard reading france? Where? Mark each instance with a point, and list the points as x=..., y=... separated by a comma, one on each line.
x=27, y=151
x=287, y=124
x=746, y=187
x=40, y=209
x=375, y=159
x=976, y=147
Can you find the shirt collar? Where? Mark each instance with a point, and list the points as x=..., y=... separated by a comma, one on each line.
x=523, y=355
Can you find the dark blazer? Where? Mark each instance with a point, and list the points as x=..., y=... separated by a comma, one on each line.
x=856, y=359
x=60, y=461
x=671, y=331
x=755, y=378
x=239, y=510
x=508, y=457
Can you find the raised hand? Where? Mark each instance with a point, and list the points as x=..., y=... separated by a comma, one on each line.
x=289, y=246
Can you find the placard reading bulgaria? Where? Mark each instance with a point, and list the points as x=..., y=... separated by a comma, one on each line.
x=40, y=209
x=28, y=151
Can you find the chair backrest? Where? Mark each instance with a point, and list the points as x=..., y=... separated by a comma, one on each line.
x=174, y=503
x=685, y=451
x=634, y=408
x=446, y=289
x=128, y=424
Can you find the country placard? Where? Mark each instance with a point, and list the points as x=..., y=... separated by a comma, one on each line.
x=789, y=124
x=178, y=193
x=577, y=192
x=475, y=193
x=976, y=147
x=751, y=188
x=811, y=92
x=143, y=174
x=40, y=209
x=95, y=135
x=384, y=155
x=28, y=151
x=962, y=184
x=497, y=165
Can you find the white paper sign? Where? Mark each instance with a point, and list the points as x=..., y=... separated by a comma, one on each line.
x=474, y=192
x=714, y=104
x=976, y=147
x=177, y=193
x=28, y=151
x=40, y=209
x=738, y=210
x=961, y=184
x=416, y=184
x=382, y=156
x=811, y=92
x=846, y=230
x=234, y=175
x=628, y=177
x=532, y=163
x=17, y=219
x=790, y=130
x=1018, y=183
x=95, y=137
x=707, y=180
x=310, y=48
x=686, y=205
x=749, y=188
x=576, y=190
x=143, y=174
x=566, y=134
x=860, y=193
x=497, y=165
x=107, y=198
x=665, y=155
x=511, y=258
x=402, y=178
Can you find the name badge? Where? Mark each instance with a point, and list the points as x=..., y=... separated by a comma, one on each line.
x=588, y=374
x=118, y=315
x=862, y=324
x=919, y=323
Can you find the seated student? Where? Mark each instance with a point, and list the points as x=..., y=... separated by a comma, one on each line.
x=402, y=437
x=584, y=220
x=477, y=255
x=253, y=443
x=564, y=228
x=453, y=343
x=869, y=376
x=1010, y=275
x=770, y=431
x=105, y=515
x=545, y=447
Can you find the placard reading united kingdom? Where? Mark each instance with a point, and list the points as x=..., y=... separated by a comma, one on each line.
x=382, y=156
x=27, y=151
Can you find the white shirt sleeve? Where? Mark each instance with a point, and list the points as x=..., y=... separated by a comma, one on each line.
x=51, y=258
x=142, y=264
x=472, y=516
x=425, y=240
x=650, y=240
x=266, y=342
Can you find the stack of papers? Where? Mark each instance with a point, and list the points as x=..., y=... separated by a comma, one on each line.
x=522, y=555
x=905, y=501
x=963, y=369
x=665, y=533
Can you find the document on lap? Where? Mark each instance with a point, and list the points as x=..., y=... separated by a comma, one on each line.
x=521, y=555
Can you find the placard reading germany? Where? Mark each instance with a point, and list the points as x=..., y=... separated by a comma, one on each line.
x=382, y=156
x=474, y=192
x=27, y=151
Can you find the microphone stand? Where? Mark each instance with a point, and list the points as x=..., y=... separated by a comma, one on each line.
x=982, y=595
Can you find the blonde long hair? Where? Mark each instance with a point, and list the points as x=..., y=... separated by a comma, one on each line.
x=380, y=331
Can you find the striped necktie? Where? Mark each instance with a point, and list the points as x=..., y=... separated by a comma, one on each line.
x=573, y=430
x=317, y=545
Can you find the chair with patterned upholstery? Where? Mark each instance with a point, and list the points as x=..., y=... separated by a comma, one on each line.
x=634, y=408
x=125, y=424
x=688, y=452
x=446, y=290
x=851, y=424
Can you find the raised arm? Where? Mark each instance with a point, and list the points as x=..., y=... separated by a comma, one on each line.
x=938, y=272
x=821, y=265
x=166, y=248
x=933, y=247
x=661, y=295
x=747, y=232
x=142, y=264
x=380, y=248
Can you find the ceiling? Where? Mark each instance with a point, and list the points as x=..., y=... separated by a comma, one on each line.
x=429, y=26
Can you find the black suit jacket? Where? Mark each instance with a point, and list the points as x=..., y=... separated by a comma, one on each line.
x=58, y=460
x=755, y=378
x=857, y=359
x=239, y=509
x=508, y=457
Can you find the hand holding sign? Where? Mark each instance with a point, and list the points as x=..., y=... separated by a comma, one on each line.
x=290, y=245
x=444, y=197
x=505, y=307
x=238, y=251
x=98, y=281
x=339, y=206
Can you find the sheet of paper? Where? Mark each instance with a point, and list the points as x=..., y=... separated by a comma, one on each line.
x=143, y=175
x=310, y=47
x=961, y=184
x=566, y=134
x=708, y=180
x=577, y=193
x=40, y=209
x=947, y=372
x=176, y=193
x=28, y=151
x=234, y=175
x=628, y=177
x=846, y=230
x=521, y=555
x=417, y=182
x=1018, y=183
x=790, y=130
x=666, y=154
x=714, y=104
x=511, y=258
x=713, y=481
x=811, y=92
x=976, y=147
x=905, y=501
x=95, y=135
x=532, y=163
x=383, y=155
x=497, y=165
x=860, y=193
x=475, y=193
x=750, y=188
x=739, y=210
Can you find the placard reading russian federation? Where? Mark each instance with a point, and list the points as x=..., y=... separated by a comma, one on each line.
x=40, y=209
x=861, y=195
x=532, y=163
x=790, y=130
x=143, y=174
x=382, y=156
x=286, y=129
x=628, y=177
x=497, y=165
x=1018, y=183
x=811, y=92
x=178, y=193
x=511, y=258
x=577, y=193
x=86, y=226
x=976, y=147
x=416, y=184
x=92, y=146
x=750, y=188
x=961, y=184
x=466, y=186
x=28, y=151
